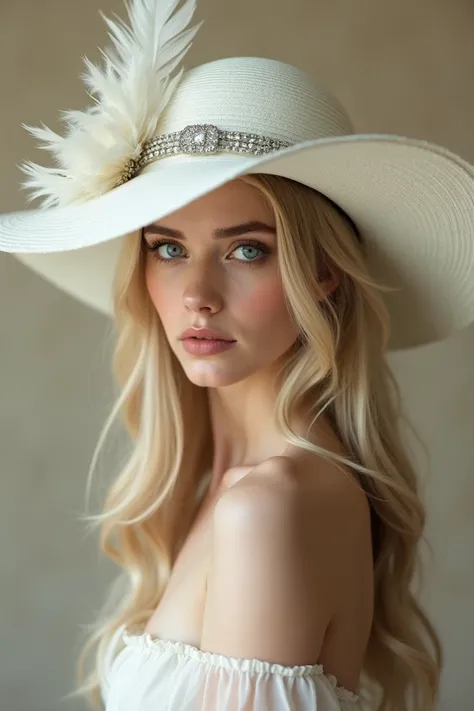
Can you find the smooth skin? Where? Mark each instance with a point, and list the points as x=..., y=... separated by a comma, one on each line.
x=290, y=577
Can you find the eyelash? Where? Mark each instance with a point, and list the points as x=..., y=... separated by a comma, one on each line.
x=154, y=246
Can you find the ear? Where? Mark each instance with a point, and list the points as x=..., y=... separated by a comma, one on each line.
x=330, y=282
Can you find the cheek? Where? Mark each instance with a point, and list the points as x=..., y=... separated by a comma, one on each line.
x=265, y=303
x=161, y=296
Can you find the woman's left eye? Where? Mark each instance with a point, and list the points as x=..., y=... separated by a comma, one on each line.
x=252, y=247
x=249, y=248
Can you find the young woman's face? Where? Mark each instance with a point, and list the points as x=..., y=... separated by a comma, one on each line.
x=202, y=273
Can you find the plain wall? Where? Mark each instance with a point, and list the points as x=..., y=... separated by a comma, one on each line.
x=399, y=67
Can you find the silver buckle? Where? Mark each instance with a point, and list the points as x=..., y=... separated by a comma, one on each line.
x=199, y=138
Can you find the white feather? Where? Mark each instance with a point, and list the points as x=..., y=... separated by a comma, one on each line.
x=130, y=91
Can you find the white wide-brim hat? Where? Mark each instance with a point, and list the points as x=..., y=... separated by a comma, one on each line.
x=412, y=201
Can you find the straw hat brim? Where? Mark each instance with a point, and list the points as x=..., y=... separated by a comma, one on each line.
x=412, y=201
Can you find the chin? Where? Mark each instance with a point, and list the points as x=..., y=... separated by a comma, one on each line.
x=214, y=375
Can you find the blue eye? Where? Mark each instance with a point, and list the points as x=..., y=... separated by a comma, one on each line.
x=171, y=252
x=250, y=247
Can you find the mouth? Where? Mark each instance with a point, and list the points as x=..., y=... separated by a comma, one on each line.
x=206, y=346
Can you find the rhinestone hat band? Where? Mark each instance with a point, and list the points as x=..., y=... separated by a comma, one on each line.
x=203, y=139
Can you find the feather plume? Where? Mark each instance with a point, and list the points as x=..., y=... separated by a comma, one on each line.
x=130, y=92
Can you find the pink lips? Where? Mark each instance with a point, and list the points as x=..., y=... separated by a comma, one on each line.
x=206, y=347
x=205, y=341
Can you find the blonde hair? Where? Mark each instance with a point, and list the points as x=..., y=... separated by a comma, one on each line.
x=339, y=366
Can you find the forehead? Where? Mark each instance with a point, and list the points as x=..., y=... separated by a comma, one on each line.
x=232, y=203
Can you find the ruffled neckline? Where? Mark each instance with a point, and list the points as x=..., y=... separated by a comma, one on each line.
x=146, y=641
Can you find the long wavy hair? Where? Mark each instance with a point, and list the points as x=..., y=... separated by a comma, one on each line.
x=339, y=366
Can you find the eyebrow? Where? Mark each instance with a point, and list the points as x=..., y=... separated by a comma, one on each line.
x=219, y=233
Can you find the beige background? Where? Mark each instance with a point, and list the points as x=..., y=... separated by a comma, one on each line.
x=399, y=66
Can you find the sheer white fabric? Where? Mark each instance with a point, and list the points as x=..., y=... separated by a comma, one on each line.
x=150, y=674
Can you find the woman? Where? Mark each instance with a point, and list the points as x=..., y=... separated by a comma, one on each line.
x=267, y=520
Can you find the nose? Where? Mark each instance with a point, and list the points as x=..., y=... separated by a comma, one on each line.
x=201, y=291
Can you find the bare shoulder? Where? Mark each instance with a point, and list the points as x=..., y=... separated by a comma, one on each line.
x=281, y=537
x=272, y=479
x=327, y=498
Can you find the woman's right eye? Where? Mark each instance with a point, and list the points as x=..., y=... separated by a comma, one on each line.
x=164, y=255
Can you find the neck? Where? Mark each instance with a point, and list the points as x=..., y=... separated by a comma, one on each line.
x=244, y=432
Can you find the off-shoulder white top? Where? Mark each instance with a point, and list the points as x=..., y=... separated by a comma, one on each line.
x=150, y=674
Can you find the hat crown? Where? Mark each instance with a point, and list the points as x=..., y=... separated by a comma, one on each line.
x=255, y=95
